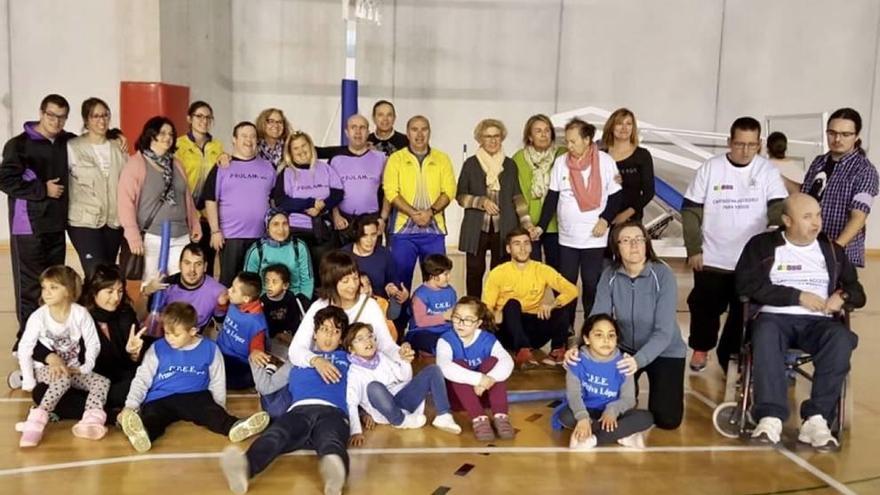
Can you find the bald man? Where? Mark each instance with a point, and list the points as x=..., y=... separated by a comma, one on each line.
x=360, y=168
x=801, y=279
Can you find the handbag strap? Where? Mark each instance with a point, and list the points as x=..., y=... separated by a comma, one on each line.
x=361, y=309
x=152, y=216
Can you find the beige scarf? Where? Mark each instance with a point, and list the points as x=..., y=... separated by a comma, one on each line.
x=492, y=165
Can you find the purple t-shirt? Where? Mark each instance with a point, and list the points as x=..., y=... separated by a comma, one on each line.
x=202, y=298
x=303, y=184
x=242, y=192
x=361, y=178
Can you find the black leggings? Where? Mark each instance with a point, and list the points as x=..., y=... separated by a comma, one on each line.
x=665, y=391
x=628, y=423
x=95, y=246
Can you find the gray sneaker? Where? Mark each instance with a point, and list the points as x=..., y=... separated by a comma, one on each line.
x=333, y=473
x=235, y=468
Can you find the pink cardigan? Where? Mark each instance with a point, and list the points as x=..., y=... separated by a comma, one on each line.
x=131, y=180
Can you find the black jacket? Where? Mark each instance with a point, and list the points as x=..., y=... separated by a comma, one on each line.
x=753, y=272
x=29, y=160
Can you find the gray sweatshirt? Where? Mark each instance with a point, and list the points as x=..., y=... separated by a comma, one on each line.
x=143, y=379
x=625, y=401
x=644, y=308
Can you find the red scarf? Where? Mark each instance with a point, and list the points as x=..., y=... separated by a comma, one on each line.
x=589, y=196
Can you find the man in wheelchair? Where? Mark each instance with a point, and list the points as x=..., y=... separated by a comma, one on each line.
x=799, y=280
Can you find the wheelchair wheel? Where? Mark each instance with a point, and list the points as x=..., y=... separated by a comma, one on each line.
x=13, y=379
x=725, y=418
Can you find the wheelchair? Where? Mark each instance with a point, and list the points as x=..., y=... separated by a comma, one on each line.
x=733, y=419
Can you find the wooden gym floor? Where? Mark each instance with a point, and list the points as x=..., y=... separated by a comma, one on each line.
x=693, y=459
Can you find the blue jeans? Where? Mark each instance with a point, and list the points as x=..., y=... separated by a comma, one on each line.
x=429, y=380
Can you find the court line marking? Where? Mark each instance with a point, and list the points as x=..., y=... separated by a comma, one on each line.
x=832, y=483
x=392, y=451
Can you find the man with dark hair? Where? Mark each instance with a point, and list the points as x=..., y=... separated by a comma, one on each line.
x=733, y=197
x=236, y=199
x=193, y=286
x=800, y=278
x=34, y=175
x=515, y=291
x=385, y=139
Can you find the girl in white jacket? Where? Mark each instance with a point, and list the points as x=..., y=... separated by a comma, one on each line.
x=60, y=325
x=385, y=388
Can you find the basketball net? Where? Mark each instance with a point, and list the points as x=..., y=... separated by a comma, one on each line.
x=366, y=10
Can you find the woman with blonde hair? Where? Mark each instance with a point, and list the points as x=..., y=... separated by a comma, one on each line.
x=620, y=139
x=307, y=190
x=273, y=129
x=493, y=203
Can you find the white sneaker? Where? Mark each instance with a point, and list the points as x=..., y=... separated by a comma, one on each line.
x=235, y=468
x=333, y=473
x=446, y=422
x=412, y=421
x=815, y=432
x=587, y=444
x=769, y=430
x=634, y=441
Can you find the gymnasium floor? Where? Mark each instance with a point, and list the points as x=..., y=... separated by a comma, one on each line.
x=693, y=459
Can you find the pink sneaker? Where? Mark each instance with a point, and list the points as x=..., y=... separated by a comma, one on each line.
x=32, y=431
x=91, y=426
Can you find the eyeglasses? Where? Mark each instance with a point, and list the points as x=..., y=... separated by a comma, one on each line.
x=843, y=135
x=100, y=116
x=363, y=339
x=635, y=241
x=742, y=146
x=467, y=321
x=203, y=116
x=53, y=116
x=493, y=137
x=274, y=122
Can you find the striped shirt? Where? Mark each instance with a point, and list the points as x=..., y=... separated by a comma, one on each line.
x=852, y=185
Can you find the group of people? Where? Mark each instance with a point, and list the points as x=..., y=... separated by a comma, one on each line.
x=298, y=233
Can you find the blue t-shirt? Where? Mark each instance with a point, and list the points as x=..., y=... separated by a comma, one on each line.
x=179, y=371
x=600, y=381
x=474, y=354
x=306, y=383
x=437, y=302
x=239, y=328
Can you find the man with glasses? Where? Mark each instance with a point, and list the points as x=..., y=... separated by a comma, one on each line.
x=515, y=291
x=733, y=197
x=845, y=183
x=34, y=175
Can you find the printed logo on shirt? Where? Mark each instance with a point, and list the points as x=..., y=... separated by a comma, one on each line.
x=473, y=363
x=789, y=268
x=246, y=175
x=440, y=307
x=230, y=328
x=336, y=361
x=723, y=187
x=598, y=385
x=173, y=370
x=355, y=177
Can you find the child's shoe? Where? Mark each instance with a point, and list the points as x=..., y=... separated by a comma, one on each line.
x=333, y=473
x=555, y=358
x=134, y=429
x=634, y=441
x=91, y=426
x=503, y=427
x=235, y=468
x=32, y=430
x=524, y=359
x=483, y=430
x=446, y=422
x=246, y=428
x=589, y=443
x=412, y=421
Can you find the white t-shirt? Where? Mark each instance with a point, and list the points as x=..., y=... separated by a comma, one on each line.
x=800, y=267
x=576, y=226
x=102, y=151
x=734, y=203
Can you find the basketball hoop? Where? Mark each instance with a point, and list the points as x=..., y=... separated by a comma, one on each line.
x=365, y=10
